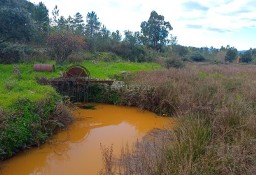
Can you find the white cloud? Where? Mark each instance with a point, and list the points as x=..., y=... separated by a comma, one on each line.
x=220, y=20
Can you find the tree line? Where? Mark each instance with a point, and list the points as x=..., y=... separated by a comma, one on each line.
x=25, y=25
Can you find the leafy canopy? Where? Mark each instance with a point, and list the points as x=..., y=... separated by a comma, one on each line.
x=155, y=31
x=93, y=25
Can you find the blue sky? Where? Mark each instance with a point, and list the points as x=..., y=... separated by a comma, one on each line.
x=195, y=23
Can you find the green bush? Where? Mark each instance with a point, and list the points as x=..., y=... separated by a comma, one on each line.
x=246, y=57
x=14, y=53
x=103, y=94
x=197, y=57
x=135, y=53
x=76, y=57
x=174, y=62
x=29, y=124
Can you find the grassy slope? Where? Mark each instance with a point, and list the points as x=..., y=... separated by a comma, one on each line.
x=12, y=88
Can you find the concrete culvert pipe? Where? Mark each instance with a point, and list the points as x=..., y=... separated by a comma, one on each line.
x=44, y=67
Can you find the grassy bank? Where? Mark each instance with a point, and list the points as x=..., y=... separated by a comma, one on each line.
x=30, y=113
x=19, y=83
x=217, y=128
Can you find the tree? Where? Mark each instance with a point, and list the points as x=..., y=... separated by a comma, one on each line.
x=55, y=14
x=62, y=44
x=246, y=57
x=19, y=25
x=41, y=17
x=70, y=24
x=180, y=50
x=254, y=52
x=220, y=56
x=116, y=36
x=231, y=54
x=104, y=38
x=115, y=42
x=132, y=38
x=62, y=24
x=16, y=22
x=132, y=48
x=155, y=31
x=78, y=24
x=93, y=25
x=92, y=30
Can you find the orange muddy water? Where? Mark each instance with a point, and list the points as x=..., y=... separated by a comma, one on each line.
x=77, y=150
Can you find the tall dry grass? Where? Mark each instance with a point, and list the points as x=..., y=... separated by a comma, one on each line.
x=216, y=106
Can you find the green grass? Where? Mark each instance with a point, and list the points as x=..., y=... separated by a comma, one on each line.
x=105, y=70
x=13, y=88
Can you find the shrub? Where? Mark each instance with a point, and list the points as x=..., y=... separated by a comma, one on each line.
x=77, y=57
x=231, y=54
x=63, y=44
x=14, y=53
x=103, y=94
x=135, y=53
x=174, y=62
x=197, y=57
x=246, y=57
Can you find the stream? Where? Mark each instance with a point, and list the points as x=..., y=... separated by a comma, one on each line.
x=77, y=150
